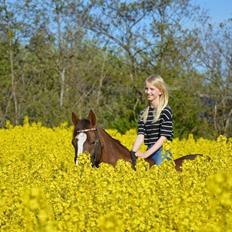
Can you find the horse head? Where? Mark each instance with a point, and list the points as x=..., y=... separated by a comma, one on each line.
x=86, y=138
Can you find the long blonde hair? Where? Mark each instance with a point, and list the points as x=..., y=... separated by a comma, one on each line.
x=158, y=82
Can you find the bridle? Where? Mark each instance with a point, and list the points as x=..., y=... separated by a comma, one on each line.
x=97, y=146
x=86, y=130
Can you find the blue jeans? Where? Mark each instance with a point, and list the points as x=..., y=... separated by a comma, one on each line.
x=160, y=155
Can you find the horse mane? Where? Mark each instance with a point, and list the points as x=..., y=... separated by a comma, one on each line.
x=117, y=142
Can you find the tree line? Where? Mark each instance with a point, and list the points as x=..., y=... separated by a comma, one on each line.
x=59, y=56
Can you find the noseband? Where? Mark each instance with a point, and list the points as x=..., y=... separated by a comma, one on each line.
x=97, y=146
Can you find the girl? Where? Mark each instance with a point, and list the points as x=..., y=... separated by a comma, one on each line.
x=155, y=121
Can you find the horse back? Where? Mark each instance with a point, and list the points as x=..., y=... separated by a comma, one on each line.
x=178, y=162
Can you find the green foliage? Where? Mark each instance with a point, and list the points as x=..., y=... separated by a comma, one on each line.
x=88, y=62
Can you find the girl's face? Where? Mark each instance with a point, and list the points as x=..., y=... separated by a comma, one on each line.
x=152, y=92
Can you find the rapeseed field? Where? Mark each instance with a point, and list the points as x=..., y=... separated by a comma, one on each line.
x=42, y=190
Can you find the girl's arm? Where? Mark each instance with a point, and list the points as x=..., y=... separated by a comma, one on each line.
x=138, y=142
x=154, y=148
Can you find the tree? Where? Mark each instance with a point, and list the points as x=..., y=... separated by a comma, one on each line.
x=216, y=58
x=10, y=30
x=60, y=56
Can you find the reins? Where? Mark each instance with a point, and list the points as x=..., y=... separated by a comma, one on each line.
x=97, y=150
x=133, y=159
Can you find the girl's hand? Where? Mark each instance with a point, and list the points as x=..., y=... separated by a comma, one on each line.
x=140, y=154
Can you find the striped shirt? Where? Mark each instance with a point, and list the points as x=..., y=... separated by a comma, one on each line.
x=153, y=130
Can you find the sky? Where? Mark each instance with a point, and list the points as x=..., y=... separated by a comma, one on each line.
x=218, y=10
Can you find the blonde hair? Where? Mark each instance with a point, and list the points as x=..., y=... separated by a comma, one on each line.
x=158, y=82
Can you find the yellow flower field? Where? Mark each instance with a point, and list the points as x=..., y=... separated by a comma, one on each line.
x=42, y=190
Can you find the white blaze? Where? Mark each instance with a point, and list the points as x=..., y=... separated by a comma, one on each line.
x=81, y=138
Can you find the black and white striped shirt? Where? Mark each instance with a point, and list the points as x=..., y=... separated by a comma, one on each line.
x=153, y=130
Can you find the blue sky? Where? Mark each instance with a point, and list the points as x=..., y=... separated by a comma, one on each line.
x=218, y=10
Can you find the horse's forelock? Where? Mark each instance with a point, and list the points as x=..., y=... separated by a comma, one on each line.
x=83, y=124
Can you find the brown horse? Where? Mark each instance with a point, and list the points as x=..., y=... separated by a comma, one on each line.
x=87, y=137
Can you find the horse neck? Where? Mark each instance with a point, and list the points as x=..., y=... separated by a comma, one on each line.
x=110, y=144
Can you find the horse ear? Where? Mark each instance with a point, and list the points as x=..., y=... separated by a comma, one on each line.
x=92, y=118
x=74, y=119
